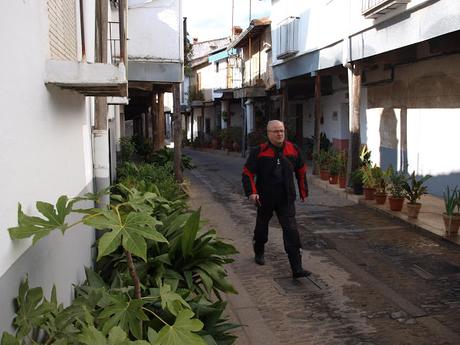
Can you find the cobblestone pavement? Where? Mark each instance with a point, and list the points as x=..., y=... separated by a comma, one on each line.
x=375, y=280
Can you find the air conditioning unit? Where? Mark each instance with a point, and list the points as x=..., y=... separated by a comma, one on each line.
x=288, y=38
x=377, y=8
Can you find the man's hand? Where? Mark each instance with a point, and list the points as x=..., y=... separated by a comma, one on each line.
x=255, y=199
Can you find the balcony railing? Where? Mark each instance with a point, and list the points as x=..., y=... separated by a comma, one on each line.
x=376, y=8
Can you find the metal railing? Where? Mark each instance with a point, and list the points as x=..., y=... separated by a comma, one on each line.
x=114, y=42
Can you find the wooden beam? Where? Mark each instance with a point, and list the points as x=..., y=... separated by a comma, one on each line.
x=355, y=130
x=177, y=122
x=161, y=121
x=284, y=102
x=317, y=131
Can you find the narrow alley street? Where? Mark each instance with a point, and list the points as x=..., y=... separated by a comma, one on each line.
x=375, y=279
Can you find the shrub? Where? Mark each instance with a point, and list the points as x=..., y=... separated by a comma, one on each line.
x=143, y=290
x=127, y=149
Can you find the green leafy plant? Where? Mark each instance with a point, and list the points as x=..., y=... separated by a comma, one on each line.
x=382, y=178
x=414, y=188
x=451, y=200
x=127, y=149
x=334, y=163
x=365, y=156
x=151, y=178
x=370, y=175
x=397, y=180
x=322, y=159
x=148, y=302
x=166, y=155
x=142, y=146
x=343, y=160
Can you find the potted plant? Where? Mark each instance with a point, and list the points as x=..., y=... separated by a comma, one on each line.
x=369, y=181
x=334, y=167
x=216, y=139
x=342, y=169
x=450, y=217
x=396, y=197
x=413, y=190
x=382, y=178
x=322, y=161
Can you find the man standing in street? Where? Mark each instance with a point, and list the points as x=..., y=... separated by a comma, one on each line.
x=269, y=183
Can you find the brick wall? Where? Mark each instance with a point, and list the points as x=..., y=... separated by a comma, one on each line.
x=62, y=29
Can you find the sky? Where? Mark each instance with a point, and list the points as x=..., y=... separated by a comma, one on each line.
x=210, y=19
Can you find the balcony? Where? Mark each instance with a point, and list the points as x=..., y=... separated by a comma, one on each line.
x=107, y=77
x=372, y=9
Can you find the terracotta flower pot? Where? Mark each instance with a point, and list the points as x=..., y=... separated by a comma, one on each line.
x=333, y=179
x=413, y=209
x=342, y=181
x=396, y=204
x=451, y=223
x=380, y=198
x=369, y=193
x=324, y=175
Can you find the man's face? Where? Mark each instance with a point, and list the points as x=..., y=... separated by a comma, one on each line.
x=276, y=134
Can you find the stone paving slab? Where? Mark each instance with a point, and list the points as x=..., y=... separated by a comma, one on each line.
x=429, y=219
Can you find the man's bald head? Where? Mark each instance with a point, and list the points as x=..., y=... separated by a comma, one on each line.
x=275, y=132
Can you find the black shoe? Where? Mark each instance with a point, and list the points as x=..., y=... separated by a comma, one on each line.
x=259, y=259
x=301, y=274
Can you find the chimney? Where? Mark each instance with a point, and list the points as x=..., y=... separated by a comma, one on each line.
x=195, y=40
x=237, y=30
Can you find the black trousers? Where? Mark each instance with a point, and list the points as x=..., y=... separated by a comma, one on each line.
x=286, y=216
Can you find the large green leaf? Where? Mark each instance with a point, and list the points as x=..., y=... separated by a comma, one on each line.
x=39, y=227
x=131, y=231
x=31, y=309
x=91, y=336
x=171, y=300
x=182, y=332
x=190, y=229
x=8, y=339
x=124, y=313
x=218, y=274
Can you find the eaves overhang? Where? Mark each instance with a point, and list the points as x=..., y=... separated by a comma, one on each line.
x=255, y=29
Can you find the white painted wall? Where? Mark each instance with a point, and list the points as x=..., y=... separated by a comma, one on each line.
x=47, y=151
x=323, y=23
x=155, y=30
x=335, y=126
x=428, y=90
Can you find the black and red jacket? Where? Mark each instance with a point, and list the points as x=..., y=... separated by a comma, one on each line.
x=258, y=173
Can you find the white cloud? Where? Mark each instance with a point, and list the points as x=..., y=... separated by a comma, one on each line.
x=209, y=19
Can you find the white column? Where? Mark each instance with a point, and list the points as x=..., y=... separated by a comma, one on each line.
x=225, y=109
x=249, y=115
x=101, y=161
